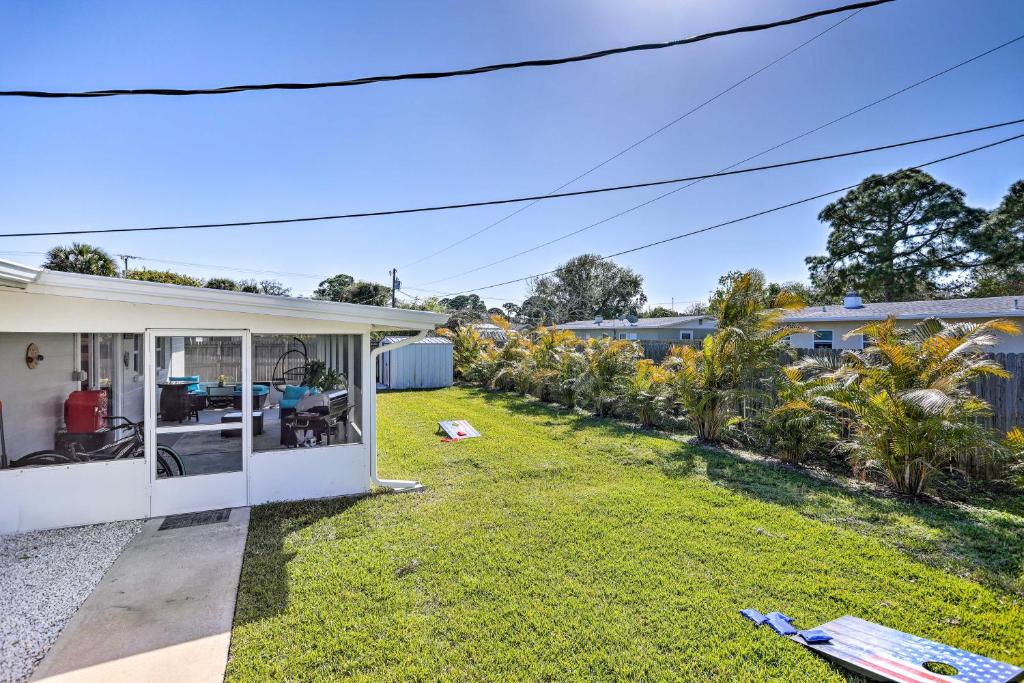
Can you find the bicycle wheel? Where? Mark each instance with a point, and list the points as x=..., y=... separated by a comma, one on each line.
x=168, y=464
x=41, y=458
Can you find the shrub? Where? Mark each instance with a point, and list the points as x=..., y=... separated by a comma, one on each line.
x=906, y=397
x=646, y=393
x=797, y=425
x=701, y=386
x=468, y=349
x=605, y=363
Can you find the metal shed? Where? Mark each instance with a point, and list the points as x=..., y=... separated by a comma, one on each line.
x=426, y=364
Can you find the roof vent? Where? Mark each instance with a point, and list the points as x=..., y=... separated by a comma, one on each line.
x=598, y=319
x=852, y=300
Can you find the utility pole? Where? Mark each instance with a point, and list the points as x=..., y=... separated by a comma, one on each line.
x=126, y=258
x=396, y=285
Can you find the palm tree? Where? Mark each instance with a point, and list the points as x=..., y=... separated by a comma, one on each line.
x=797, y=425
x=907, y=401
x=81, y=258
x=605, y=363
x=646, y=393
x=709, y=382
x=702, y=386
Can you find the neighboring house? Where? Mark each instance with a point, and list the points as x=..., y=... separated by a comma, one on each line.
x=831, y=324
x=681, y=328
x=492, y=332
x=181, y=363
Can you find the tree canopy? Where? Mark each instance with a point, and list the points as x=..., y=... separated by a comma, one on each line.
x=81, y=258
x=895, y=237
x=167, y=277
x=347, y=289
x=584, y=287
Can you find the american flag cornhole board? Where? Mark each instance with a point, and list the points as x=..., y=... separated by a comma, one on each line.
x=453, y=428
x=885, y=654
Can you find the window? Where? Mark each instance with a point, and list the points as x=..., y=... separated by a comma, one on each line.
x=686, y=334
x=59, y=393
x=823, y=339
x=308, y=388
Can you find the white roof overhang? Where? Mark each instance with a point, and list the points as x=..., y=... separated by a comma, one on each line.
x=96, y=288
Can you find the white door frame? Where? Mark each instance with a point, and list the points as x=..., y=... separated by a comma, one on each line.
x=199, y=492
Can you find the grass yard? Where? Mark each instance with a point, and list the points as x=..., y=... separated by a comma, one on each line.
x=565, y=547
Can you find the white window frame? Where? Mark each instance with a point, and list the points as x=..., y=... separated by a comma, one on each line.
x=831, y=340
x=685, y=335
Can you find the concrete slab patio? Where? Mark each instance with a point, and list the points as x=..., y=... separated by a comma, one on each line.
x=162, y=612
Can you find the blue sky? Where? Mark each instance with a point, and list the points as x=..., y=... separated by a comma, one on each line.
x=136, y=161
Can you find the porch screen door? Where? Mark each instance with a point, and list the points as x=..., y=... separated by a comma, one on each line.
x=198, y=392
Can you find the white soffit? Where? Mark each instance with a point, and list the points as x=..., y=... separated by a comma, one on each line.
x=53, y=283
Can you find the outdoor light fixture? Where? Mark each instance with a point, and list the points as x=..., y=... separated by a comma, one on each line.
x=32, y=356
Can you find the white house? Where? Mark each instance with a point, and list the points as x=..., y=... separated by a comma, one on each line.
x=680, y=328
x=829, y=325
x=122, y=399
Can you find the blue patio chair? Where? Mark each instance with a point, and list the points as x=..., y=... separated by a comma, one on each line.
x=291, y=396
x=260, y=393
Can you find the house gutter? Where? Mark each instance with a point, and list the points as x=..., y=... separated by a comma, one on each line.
x=393, y=484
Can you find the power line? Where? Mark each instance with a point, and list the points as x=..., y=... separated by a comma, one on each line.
x=758, y=214
x=447, y=74
x=634, y=145
x=560, y=195
x=806, y=133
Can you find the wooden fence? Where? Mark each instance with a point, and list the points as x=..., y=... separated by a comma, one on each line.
x=216, y=356
x=1006, y=396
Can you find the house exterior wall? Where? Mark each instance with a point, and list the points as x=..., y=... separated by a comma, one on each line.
x=33, y=399
x=1007, y=343
x=665, y=334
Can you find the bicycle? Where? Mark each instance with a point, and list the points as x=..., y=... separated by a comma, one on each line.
x=132, y=445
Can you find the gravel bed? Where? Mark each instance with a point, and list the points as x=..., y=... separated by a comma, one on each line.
x=44, y=577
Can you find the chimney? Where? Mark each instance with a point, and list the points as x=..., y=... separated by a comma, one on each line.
x=598, y=320
x=852, y=300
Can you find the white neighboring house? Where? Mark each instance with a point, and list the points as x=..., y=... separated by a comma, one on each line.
x=181, y=362
x=831, y=324
x=680, y=328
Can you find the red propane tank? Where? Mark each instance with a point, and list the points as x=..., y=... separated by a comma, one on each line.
x=84, y=411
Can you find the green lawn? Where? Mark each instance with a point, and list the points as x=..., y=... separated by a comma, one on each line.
x=563, y=547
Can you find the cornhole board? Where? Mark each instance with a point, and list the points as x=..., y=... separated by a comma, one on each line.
x=453, y=427
x=885, y=654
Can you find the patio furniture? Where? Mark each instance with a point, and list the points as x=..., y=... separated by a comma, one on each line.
x=260, y=394
x=292, y=394
x=316, y=419
x=257, y=423
x=195, y=386
x=174, y=402
x=221, y=397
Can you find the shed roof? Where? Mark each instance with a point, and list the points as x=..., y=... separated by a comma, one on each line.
x=425, y=340
x=987, y=307
x=15, y=276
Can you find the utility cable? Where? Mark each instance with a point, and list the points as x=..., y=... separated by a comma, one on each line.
x=447, y=74
x=806, y=133
x=758, y=214
x=632, y=146
x=514, y=200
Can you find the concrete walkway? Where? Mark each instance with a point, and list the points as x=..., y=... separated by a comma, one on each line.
x=162, y=612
